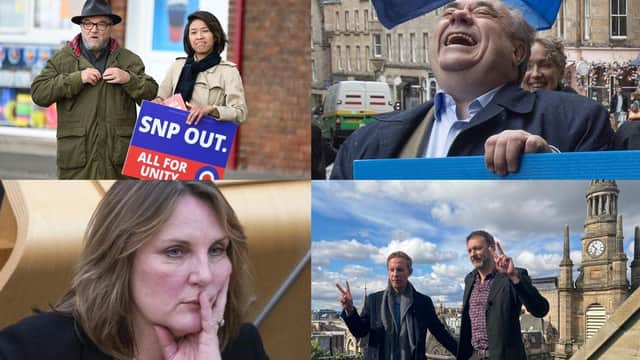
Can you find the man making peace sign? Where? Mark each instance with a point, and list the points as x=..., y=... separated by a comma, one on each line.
x=396, y=319
x=494, y=293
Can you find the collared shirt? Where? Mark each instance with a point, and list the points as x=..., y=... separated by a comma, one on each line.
x=396, y=315
x=447, y=126
x=478, y=310
x=618, y=103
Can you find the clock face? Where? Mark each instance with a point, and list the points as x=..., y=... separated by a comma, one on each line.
x=595, y=248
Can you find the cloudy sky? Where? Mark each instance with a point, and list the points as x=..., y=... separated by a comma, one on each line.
x=355, y=225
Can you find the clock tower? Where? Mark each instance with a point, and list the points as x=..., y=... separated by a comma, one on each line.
x=602, y=279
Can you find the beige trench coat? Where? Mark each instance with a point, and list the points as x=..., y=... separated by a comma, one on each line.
x=220, y=86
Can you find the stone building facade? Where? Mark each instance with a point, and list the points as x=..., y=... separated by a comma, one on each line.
x=602, y=39
x=602, y=286
x=362, y=49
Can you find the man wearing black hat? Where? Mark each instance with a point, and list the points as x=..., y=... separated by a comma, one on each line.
x=96, y=85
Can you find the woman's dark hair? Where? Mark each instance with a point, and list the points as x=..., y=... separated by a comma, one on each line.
x=219, y=37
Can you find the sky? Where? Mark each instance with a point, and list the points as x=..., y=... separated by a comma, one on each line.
x=355, y=225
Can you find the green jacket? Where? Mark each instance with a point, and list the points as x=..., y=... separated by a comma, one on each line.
x=94, y=122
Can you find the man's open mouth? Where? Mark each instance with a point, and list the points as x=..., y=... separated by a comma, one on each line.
x=460, y=39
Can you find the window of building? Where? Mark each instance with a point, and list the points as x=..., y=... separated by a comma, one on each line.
x=348, y=58
x=618, y=18
x=338, y=58
x=401, y=48
x=13, y=18
x=596, y=317
x=389, y=47
x=586, y=22
x=358, y=59
x=337, y=20
x=377, y=45
x=356, y=20
x=374, y=15
x=366, y=58
x=425, y=47
x=412, y=46
x=366, y=19
x=346, y=21
x=314, y=74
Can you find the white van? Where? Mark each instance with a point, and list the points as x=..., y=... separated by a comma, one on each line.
x=352, y=104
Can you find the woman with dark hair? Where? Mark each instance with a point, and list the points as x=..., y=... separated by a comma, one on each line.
x=209, y=85
x=163, y=274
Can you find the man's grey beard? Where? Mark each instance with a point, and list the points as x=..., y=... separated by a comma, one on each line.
x=86, y=46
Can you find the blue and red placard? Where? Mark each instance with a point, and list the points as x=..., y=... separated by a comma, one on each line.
x=164, y=147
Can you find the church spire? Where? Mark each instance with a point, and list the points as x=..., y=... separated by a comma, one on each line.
x=566, y=265
x=635, y=264
x=566, y=258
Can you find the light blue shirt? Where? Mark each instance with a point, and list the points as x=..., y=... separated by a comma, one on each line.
x=447, y=126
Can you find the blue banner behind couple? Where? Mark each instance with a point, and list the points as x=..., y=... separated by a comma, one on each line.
x=539, y=14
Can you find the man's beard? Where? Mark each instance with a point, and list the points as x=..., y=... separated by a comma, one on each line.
x=99, y=47
x=479, y=263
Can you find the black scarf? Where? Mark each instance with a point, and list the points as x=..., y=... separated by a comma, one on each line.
x=190, y=72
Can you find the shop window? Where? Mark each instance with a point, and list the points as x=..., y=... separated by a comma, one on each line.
x=13, y=16
x=55, y=14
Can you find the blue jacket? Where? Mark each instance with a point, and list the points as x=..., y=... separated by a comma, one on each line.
x=567, y=121
x=370, y=323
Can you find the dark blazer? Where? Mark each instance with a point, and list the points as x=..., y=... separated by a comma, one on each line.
x=53, y=336
x=503, y=316
x=370, y=323
x=567, y=121
x=614, y=103
x=627, y=137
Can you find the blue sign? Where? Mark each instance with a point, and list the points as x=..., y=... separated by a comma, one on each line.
x=164, y=147
x=605, y=165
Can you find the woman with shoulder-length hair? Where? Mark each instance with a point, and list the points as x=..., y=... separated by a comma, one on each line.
x=546, y=66
x=208, y=84
x=163, y=274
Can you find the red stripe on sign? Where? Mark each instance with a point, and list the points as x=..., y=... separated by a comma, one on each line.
x=377, y=96
x=353, y=103
x=376, y=103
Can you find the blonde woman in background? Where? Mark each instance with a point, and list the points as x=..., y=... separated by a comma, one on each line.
x=546, y=65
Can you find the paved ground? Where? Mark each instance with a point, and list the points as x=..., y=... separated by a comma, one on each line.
x=30, y=154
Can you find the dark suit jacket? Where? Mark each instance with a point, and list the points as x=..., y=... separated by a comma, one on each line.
x=614, y=103
x=569, y=122
x=503, y=316
x=53, y=336
x=627, y=137
x=370, y=323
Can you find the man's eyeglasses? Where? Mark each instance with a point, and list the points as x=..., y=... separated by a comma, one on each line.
x=102, y=26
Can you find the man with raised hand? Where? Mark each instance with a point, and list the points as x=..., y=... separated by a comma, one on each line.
x=397, y=318
x=494, y=293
